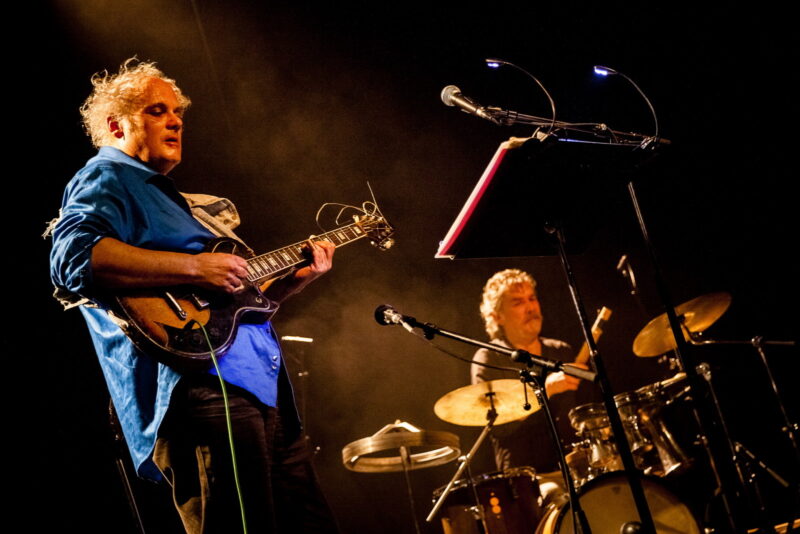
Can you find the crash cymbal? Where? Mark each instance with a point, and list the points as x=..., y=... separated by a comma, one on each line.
x=696, y=315
x=468, y=406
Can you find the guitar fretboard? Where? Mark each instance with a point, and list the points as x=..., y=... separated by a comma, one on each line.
x=283, y=259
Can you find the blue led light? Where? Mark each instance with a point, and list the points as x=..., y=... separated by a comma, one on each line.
x=492, y=64
x=601, y=71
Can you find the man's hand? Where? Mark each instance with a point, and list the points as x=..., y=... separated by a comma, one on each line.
x=321, y=253
x=321, y=256
x=559, y=382
x=215, y=270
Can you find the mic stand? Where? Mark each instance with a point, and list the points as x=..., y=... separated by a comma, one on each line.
x=645, y=517
x=465, y=460
x=430, y=330
x=120, y=451
x=536, y=378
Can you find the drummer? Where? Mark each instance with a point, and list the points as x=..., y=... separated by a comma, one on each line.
x=512, y=315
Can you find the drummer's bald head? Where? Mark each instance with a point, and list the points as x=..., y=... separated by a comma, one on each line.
x=493, y=293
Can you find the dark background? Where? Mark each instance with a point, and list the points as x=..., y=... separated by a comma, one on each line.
x=296, y=106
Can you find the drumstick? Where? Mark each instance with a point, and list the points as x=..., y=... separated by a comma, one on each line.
x=597, y=331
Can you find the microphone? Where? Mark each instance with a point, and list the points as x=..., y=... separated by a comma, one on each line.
x=626, y=270
x=386, y=315
x=451, y=96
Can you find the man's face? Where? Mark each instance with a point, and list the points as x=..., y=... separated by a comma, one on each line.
x=153, y=132
x=519, y=314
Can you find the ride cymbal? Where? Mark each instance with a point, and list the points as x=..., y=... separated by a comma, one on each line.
x=695, y=315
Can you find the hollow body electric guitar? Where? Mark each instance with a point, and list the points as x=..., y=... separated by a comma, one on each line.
x=165, y=323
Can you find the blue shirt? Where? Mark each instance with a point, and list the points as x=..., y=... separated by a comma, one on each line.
x=117, y=196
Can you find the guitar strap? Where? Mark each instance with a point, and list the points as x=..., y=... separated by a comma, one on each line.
x=218, y=215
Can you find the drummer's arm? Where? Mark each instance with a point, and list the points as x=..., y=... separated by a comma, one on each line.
x=556, y=383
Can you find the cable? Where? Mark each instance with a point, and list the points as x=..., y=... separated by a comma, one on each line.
x=229, y=425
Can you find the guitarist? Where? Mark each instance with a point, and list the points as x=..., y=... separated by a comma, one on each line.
x=512, y=315
x=124, y=225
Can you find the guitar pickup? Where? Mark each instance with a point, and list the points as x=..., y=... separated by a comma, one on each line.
x=199, y=303
x=176, y=307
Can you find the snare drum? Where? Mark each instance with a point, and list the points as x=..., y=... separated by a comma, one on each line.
x=510, y=500
x=608, y=504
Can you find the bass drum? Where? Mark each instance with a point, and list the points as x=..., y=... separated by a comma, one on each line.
x=608, y=504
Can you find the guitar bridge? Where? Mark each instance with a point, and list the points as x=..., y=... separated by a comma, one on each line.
x=174, y=305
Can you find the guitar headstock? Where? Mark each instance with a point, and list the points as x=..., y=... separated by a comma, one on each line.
x=377, y=229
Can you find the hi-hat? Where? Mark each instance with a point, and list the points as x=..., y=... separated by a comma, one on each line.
x=695, y=316
x=468, y=406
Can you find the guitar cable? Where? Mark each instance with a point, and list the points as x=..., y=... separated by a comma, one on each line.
x=228, y=424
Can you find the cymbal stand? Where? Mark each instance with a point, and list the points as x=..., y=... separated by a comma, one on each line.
x=789, y=428
x=645, y=517
x=681, y=353
x=758, y=342
x=491, y=416
x=406, y=459
x=743, y=472
x=536, y=378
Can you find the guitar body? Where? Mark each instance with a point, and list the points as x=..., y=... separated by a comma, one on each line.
x=165, y=322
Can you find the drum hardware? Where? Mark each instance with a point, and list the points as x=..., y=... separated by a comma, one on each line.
x=464, y=461
x=789, y=428
x=743, y=459
x=672, y=331
x=746, y=477
x=537, y=380
x=440, y=448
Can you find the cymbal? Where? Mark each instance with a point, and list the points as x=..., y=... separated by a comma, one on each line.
x=467, y=406
x=696, y=315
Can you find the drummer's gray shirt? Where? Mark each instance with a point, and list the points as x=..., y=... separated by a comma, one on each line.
x=528, y=442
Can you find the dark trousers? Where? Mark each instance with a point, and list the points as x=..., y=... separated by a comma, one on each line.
x=280, y=489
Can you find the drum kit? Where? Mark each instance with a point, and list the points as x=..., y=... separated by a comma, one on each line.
x=654, y=418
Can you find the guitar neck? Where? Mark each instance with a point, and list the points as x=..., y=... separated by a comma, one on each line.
x=278, y=262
